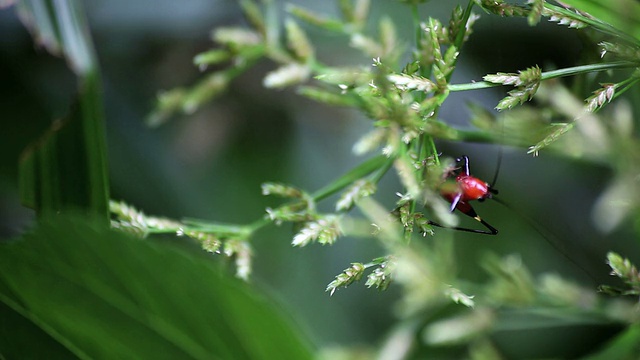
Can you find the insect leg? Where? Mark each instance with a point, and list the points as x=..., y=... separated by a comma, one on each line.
x=466, y=209
x=465, y=159
x=455, y=201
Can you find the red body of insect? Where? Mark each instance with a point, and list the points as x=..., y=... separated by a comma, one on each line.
x=469, y=188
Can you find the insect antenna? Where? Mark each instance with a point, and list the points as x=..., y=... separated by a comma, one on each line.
x=530, y=221
x=493, y=182
x=498, y=161
x=547, y=236
x=497, y=172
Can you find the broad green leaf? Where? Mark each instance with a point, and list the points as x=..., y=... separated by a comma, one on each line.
x=67, y=167
x=18, y=335
x=103, y=294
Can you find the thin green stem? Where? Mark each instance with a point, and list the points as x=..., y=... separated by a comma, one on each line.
x=415, y=14
x=379, y=163
x=463, y=32
x=259, y=224
x=377, y=176
x=347, y=179
x=621, y=88
x=187, y=225
x=595, y=23
x=547, y=75
x=571, y=71
x=427, y=144
x=376, y=262
x=206, y=226
x=273, y=24
x=627, y=87
x=434, y=150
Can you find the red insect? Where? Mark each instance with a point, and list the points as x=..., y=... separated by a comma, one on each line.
x=469, y=188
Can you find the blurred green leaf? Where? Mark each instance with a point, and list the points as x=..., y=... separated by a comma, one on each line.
x=61, y=27
x=18, y=334
x=623, y=346
x=542, y=333
x=67, y=167
x=102, y=294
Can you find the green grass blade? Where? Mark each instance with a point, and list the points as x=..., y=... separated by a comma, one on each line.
x=67, y=167
x=60, y=27
x=356, y=173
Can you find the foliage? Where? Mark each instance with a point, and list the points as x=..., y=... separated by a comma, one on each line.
x=403, y=101
x=402, y=93
x=102, y=294
x=76, y=288
x=71, y=155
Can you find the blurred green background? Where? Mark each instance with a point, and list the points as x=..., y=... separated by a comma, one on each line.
x=210, y=164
